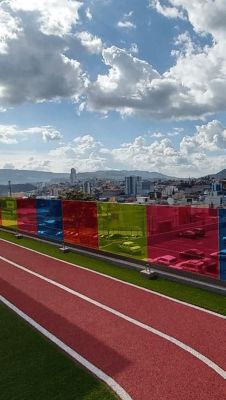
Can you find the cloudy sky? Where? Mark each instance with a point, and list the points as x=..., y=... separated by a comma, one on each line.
x=101, y=84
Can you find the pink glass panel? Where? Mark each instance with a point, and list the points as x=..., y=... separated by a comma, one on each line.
x=184, y=238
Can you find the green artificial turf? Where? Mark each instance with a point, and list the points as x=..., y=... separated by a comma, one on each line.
x=32, y=368
x=199, y=297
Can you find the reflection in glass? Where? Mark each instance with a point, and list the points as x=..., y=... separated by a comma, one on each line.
x=222, y=243
x=184, y=238
x=122, y=229
x=26, y=215
x=9, y=212
x=80, y=223
x=49, y=219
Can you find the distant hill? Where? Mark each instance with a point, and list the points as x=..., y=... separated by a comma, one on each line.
x=23, y=187
x=120, y=175
x=220, y=175
x=17, y=176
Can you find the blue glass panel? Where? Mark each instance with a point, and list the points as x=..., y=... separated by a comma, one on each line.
x=49, y=219
x=222, y=243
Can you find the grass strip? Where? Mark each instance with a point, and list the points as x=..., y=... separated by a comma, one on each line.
x=200, y=297
x=34, y=368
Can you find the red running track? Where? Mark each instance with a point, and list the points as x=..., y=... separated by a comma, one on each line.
x=146, y=365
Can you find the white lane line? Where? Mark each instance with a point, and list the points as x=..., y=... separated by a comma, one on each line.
x=120, y=281
x=133, y=321
x=76, y=356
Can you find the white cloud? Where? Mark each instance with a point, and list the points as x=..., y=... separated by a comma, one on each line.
x=167, y=11
x=9, y=29
x=34, y=163
x=56, y=17
x=11, y=134
x=176, y=132
x=206, y=16
x=8, y=166
x=92, y=43
x=134, y=48
x=211, y=137
x=126, y=24
x=33, y=64
x=8, y=134
x=157, y=135
x=185, y=46
x=134, y=86
x=89, y=14
x=48, y=133
x=193, y=88
x=196, y=155
x=128, y=15
x=127, y=84
x=142, y=153
x=158, y=155
x=84, y=152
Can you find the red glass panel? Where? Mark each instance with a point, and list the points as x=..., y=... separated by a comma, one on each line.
x=80, y=223
x=26, y=215
x=184, y=238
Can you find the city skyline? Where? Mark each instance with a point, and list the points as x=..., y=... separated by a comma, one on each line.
x=107, y=84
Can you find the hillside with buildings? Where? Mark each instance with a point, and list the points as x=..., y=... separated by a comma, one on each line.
x=119, y=186
x=17, y=176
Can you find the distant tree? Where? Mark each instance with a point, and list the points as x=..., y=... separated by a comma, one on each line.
x=78, y=195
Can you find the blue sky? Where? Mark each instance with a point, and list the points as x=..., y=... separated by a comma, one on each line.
x=101, y=84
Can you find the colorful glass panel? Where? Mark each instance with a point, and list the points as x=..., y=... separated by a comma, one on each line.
x=184, y=238
x=49, y=219
x=80, y=223
x=122, y=229
x=26, y=215
x=222, y=243
x=9, y=212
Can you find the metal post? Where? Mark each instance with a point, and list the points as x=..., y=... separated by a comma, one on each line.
x=10, y=188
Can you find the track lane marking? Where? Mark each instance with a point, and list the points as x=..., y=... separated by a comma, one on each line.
x=72, y=353
x=148, y=328
x=120, y=281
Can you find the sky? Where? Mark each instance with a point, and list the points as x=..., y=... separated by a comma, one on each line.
x=112, y=84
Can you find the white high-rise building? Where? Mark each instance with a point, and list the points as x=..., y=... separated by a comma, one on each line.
x=73, y=176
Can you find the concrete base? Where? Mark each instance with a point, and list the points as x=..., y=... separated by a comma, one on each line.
x=149, y=274
x=19, y=236
x=64, y=249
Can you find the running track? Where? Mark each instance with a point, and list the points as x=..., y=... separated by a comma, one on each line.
x=153, y=347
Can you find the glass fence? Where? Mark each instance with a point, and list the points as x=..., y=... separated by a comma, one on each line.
x=8, y=212
x=27, y=216
x=222, y=243
x=80, y=223
x=184, y=238
x=122, y=229
x=49, y=219
x=179, y=238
